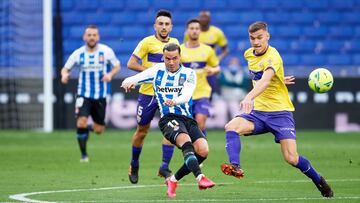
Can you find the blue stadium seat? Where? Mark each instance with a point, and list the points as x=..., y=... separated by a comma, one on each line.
x=288, y=31
x=277, y=17
x=248, y=17
x=306, y=46
x=72, y=18
x=312, y=60
x=341, y=31
x=215, y=5
x=27, y=6
x=66, y=5
x=225, y=17
x=178, y=32
x=356, y=59
x=146, y=18
x=88, y=6
x=123, y=18
x=98, y=18
x=127, y=46
x=281, y=45
x=26, y=32
x=133, y=32
x=315, y=32
x=290, y=59
x=76, y=32
x=329, y=17
x=180, y=18
x=188, y=5
x=236, y=31
x=355, y=45
x=163, y=4
x=332, y=46
x=302, y=17
x=337, y=59
x=137, y=5
x=351, y=17
x=268, y=4
x=342, y=5
x=71, y=45
x=34, y=46
x=357, y=32
x=317, y=5
x=292, y=5
x=111, y=32
x=243, y=5
x=113, y=6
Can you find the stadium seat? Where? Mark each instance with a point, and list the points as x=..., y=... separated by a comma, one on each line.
x=114, y=6
x=332, y=46
x=329, y=17
x=146, y=18
x=351, y=17
x=127, y=46
x=290, y=59
x=178, y=33
x=87, y=6
x=312, y=60
x=249, y=17
x=76, y=32
x=66, y=5
x=338, y=59
x=268, y=4
x=71, y=45
x=163, y=4
x=98, y=19
x=292, y=5
x=288, y=31
x=342, y=5
x=356, y=59
x=281, y=45
x=302, y=17
x=216, y=5
x=355, y=46
x=225, y=17
x=180, y=18
x=188, y=5
x=243, y=5
x=236, y=31
x=317, y=5
x=277, y=17
x=72, y=18
x=315, y=32
x=133, y=32
x=123, y=18
x=111, y=32
x=137, y=5
x=341, y=31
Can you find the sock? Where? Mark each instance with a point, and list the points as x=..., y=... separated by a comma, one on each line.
x=173, y=179
x=184, y=170
x=233, y=147
x=204, y=132
x=198, y=178
x=168, y=151
x=82, y=137
x=305, y=167
x=190, y=158
x=136, y=151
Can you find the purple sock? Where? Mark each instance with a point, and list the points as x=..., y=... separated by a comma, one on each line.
x=204, y=132
x=306, y=168
x=168, y=151
x=135, y=156
x=233, y=147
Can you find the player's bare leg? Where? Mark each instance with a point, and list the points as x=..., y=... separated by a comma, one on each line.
x=236, y=127
x=98, y=128
x=137, y=143
x=201, y=121
x=289, y=151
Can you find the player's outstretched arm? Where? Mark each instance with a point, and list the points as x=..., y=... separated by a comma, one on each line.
x=289, y=80
x=247, y=104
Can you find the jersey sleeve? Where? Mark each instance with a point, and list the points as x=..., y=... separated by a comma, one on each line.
x=141, y=49
x=146, y=76
x=222, y=39
x=112, y=58
x=271, y=62
x=188, y=89
x=72, y=60
x=213, y=60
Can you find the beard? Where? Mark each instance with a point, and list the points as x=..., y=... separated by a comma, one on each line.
x=91, y=45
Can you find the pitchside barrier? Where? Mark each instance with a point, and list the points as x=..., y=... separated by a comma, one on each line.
x=337, y=110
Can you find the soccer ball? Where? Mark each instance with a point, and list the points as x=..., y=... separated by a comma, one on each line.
x=320, y=80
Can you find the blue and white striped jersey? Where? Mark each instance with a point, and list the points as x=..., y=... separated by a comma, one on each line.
x=178, y=86
x=93, y=66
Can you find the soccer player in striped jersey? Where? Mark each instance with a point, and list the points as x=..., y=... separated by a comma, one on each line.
x=267, y=108
x=92, y=60
x=174, y=85
x=214, y=37
x=149, y=52
x=203, y=60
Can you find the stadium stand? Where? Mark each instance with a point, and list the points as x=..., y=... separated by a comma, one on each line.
x=307, y=33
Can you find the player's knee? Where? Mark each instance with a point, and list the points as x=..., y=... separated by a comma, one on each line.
x=81, y=123
x=291, y=159
x=99, y=130
x=141, y=132
x=201, y=147
x=236, y=128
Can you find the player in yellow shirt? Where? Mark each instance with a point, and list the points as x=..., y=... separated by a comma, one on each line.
x=214, y=37
x=203, y=59
x=150, y=52
x=267, y=108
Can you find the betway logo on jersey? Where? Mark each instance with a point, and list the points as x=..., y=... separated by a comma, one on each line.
x=168, y=89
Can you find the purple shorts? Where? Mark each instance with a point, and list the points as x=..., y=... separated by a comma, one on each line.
x=280, y=123
x=147, y=106
x=201, y=106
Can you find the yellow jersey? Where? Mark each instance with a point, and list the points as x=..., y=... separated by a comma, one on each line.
x=150, y=52
x=198, y=58
x=212, y=37
x=276, y=96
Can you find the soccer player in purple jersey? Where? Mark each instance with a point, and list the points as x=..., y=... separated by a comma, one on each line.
x=267, y=108
x=93, y=60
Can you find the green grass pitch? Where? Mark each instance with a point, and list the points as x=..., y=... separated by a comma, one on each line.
x=47, y=167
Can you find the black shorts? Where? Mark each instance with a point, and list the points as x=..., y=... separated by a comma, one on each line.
x=171, y=125
x=91, y=107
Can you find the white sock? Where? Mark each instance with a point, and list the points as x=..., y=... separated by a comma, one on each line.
x=172, y=178
x=198, y=178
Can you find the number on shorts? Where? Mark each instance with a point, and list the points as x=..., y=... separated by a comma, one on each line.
x=139, y=113
x=173, y=124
